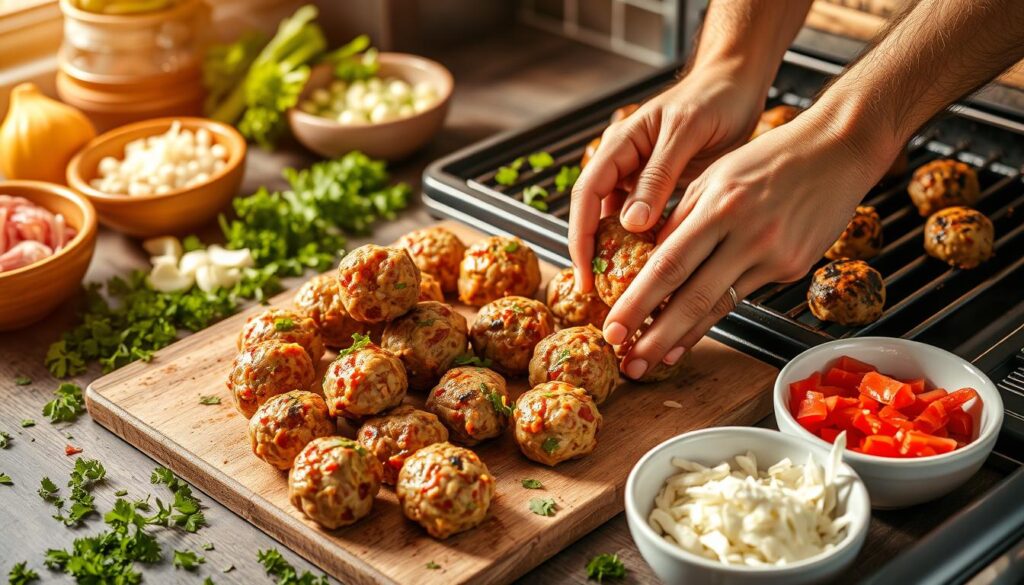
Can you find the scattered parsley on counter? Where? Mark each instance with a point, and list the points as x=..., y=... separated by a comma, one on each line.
x=566, y=178
x=6, y=479
x=509, y=174
x=276, y=566
x=21, y=575
x=209, y=400
x=84, y=476
x=468, y=359
x=22, y=380
x=67, y=405
x=27, y=422
x=549, y=445
x=433, y=566
x=48, y=490
x=599, y=265
x=188, y=560
x=536, y=197
x=209, y=581
x=5, y=440
x=228, y=569
x=532, y=484
x=121, y=493
x=189, y=515
x=543, y=506
x=208, y=546
x=540, y=160
x=605, y=566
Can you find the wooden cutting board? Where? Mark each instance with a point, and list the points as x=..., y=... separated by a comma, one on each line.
x=155, y=406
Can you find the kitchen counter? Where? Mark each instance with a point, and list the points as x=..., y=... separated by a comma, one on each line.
x=502, y=82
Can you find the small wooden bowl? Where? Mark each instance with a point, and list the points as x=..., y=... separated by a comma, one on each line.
x=31, y=292
x=175, y=212
x=392, y=140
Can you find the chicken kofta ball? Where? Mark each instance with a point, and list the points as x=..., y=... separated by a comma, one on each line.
x=862, y=238
x=571, y=308
x=472, y=402
x=619, y=255
x=445, y=489
x=334, y=481
x=578, y=356
x=364, y=380
x=285, y=326
x=555, y=422
x=507, y=330
x=848, y=292
x=773, y=118
x=320, y=299
x=959, y=236
x=267, y=369
x=427, y=339
x=430, y=288
x=398, y=433
x=378, y=283
x=436, y=251
x=943, y=183
x=286, y=423
x=496, y=267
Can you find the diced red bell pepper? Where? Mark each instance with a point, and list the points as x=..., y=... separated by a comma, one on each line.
x=865, y=401
x=812, y=411
x=843, y=417
x=958, y=398
x=871, y=424
x=799, y=389
x=891, y=413
x=916, y=386
x=854, y=365
x=933, y=418
x=829, y=433
x=843, y=379
x=832, y=390
x=834, y=402
x=918, y=444
x=886, y=390
x=960, y=424
x=922, y=402
x=880, y=445
x=941, y=432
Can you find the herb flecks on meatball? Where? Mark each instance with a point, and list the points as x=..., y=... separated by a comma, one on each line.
x=848, y=292
x=364, y=380
x=320, y=300
x=472, y=402
x=496, y=267
x=334, y=481
x=285, y=326
x=445, y=489
x=507, y=330
x=378, y=283
x=619, y=255
x=556, y=422
x=571, y=308
x=943, y=183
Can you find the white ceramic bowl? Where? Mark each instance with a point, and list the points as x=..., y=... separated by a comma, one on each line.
x=897, y=483
x=673, y=565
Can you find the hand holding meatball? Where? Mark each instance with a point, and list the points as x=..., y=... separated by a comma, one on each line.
x=427, y=339
x=364, y=380
x=571, y=308
x=618, y=257
x=320, y=299
x=555, y=422
x=848, y=292
x=446, y=489
x=334, y=481
x=496, y=267
x=436, y=251
x=578, y=356
x=862, y=238
x=395, y=435
x=377, y=283
x=284, y=326
x=472, y=402
x=660, y=371
x=267, y=369
x=943, y=183
x=960, y=237
x=286, y=423
x=507, y=330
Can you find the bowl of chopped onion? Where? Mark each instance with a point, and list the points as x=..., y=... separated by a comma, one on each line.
x=162, y=176
x=739, y=505
x=47, y=237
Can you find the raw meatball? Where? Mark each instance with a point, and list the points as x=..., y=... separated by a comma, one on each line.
x=589, y=152
x=334, y=481
x=773, y=118
x=283, y=426
x=507, y=330
x=862, y=238
x=320, y=299
x=571, y=308
x=430, y=289
x=578, y=356
x=472, y=402
x=378, y=283
x=427, y=339
x=284, y=326
x=436, y=251
x=959, y=236
x=660, y=371
x=556, y=422
x=497, y=267
x=943, y=183
x=268, y=369
x=446, y=489
x=364, y=380
x=397, y=434
x=848, y=292
x=618, y=257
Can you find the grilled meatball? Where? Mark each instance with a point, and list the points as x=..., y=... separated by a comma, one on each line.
x=427, y=339
x=497, y=267
x=378, y=283
x=444, y=488
x=436, y=251
x=320, y=299
x=848, y=292
x=943, y=183
x=862, y=238
x=334, y=481
x=268, y=369
x=589, y=152
x=578, y=356
x=618, y=257
x=660, y=371
x=959, y=236
x=555, y=422
x=283, y=426
x=364, y=380
x=284, y=326
x=507, y=330
x=571, y=308
x=472, y=402
x=773, y=118
x=430, y=288
x=398, y=433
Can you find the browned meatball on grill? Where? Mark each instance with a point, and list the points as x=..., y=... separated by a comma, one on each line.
x=334, y=481
x=472, y=402
x=507, y=330
x=619, y=255
x=285, y=326
x=364, y=380
x=773, y=118
x=496, y=267
x=943, y=183
x=436, y=251
x=267, y=369
x=578, y=356
x=378, y=283
x=848, y=292
x=427, y=339
x=862, y=238
x=286, y=423
x=445, y=489
x=430, y=289
x=959, y=236
x=571, y=308
x=320, y=299
x=398, y=433
x=555, y=422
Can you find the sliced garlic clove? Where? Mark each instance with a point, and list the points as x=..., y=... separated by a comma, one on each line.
x=163, y=246
x=165, y=277
x=191, y=261
x=231, y=258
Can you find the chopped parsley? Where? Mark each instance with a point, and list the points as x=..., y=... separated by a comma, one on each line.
x=359, y=341
x=275, y=566
x=284, y=324
x=512, y=246
x=540, y=160
x=605, y=566
x=208, y=546
x=518, y=309
x=121, y=493
x=400, y=285
x=189, y=514
x=549, y=445
x=48, y=490
x=6, y=479
x=209, y=400
x=599, y=265
x=536, y=197
x=187, y=560
x=509, y=174
x=543, y=506
x=67, y=405
x=21, y=575
x=498, y=400
x=5, y=440
x=563, y=356
x=27, y=422
x=468, y=359
x=532, y=484
x=433, y=566
x=566, y=178
x=85, y=475
x=228, y=569
x=22, y=380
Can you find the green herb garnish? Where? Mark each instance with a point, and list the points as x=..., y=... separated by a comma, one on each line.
x=543, y=506
x=208, y=546
x=209, y=400
x=276, y=566
x=512, y=247
x=189, y=514
x=536, y=197
x=509, y=174
x=48, y=490
x=187, y=560
x=468, y=359
x=6, y=479
x=27, y=422
x=549, y=445
x=22, y=380
x=67, y=405
x=121, y=493
x=359, y=341
x=425, y=322
x=563, y=356
x=21, y=575
x=532, y=484
x=400, y=285
x=284, y=324
x=433, y=566
x=600, y=265
x=499, y=401
x=540, y=160
x=566, y=178
x=605, y=566
x=5, y=440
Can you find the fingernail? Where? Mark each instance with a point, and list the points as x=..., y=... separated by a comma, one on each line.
x=637, y=213
x=636, y=368
x=615, y=333
x=673, y=356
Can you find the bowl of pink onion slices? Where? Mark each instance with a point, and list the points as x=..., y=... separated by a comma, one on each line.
x=47, y=237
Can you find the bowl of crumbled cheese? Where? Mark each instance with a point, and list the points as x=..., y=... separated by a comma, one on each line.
x=741, y=505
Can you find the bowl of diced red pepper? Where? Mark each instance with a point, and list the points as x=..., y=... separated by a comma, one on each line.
x=919, y=421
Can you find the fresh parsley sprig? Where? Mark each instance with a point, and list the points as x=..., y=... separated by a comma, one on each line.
x=605, y=566
x=67, y=405
x=543, y=506
x=189, y=513
x=276, y=566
